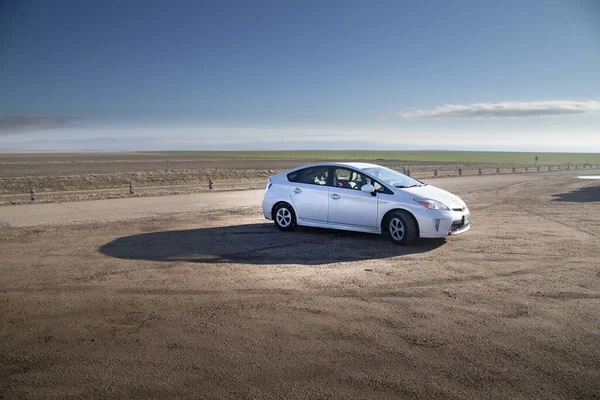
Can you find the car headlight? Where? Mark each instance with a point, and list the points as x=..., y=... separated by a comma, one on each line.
x=432, y=204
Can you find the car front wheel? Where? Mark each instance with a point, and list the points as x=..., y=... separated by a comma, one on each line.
x=402, y=228
x=285, y=218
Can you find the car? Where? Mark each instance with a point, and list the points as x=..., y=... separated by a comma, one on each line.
x=363, y=197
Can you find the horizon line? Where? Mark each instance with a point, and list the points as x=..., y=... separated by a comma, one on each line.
x=292, y=150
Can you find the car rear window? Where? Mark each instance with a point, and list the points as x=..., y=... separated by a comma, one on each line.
x=311, y=176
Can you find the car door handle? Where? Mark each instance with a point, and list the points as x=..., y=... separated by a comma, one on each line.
x=297, y=190
x=335, y=196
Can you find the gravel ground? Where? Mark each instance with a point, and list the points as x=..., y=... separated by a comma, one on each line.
x=196, y=296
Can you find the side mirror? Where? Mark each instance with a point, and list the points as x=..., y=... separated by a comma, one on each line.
x=368, y=189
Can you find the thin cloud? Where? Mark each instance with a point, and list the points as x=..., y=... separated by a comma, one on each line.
x=20, y=123
x=516, y=109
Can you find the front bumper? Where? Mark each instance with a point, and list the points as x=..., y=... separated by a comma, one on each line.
x=459, y=226
x=437, y=224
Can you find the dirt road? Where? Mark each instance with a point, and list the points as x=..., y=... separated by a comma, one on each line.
x=196, y=296
x=125, y=209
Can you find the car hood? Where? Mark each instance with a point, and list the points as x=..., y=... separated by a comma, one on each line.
x=433, y=193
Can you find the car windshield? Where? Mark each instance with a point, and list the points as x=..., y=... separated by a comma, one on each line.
x=392, y=177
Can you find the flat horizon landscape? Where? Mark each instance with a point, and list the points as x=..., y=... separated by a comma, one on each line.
x=144, y=144
x=78, y=174
x=409, y=156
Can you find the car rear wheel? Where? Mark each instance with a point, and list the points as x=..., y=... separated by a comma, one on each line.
x=401, y=228
x=284, y=217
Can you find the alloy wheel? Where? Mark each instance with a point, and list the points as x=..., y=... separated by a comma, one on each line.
x=284, y=217
x=396, y=229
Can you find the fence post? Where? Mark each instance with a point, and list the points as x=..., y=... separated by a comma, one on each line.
x=460, y=172
x=210, y=184
x=131, y=190
x=514, y=169
x=526, y=169
x=32, y=193
x=435, y=172
x=575, y=166
x=479, y=171
x=408, y=171
x=497, y=170
x=549, y=168
x=538, y=168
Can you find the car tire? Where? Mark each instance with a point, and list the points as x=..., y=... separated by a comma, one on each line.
x=402, y=228
x=284, y=217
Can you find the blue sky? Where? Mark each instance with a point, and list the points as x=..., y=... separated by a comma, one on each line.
x=140, y=75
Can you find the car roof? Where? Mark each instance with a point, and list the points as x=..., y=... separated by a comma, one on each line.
x=361, y=165
x=355, y=165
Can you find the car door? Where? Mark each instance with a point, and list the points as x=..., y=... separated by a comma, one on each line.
x=309, y=191
x=348, y=205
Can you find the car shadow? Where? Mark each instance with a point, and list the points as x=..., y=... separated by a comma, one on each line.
x=260, y=244
x=582, y=195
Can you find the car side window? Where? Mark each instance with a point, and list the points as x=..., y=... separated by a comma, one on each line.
x=349, y=179
x=379, y=188
x=311, y=176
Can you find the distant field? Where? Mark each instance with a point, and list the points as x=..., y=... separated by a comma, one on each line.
x=405, y=156
x=77, y=171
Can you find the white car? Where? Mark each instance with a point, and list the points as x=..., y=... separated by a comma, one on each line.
x=365, y=198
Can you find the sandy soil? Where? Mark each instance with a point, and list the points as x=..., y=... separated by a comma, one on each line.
x=196, y=296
